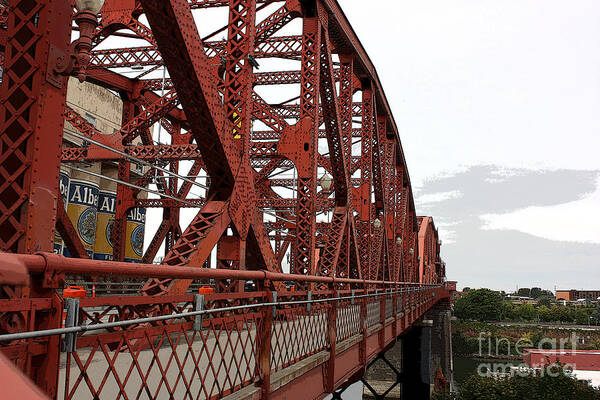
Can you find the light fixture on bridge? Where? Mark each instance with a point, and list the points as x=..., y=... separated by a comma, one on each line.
x=377, y=223
x=399, y=241
x=411, y=251
x=78, y=58
x=92, y=6
x=87, y=20
x=326, y=182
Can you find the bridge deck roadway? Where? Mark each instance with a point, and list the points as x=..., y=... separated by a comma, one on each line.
x=220, y=362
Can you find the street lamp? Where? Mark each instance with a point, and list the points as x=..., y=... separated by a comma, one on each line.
x=87, y=20
x=326, y=183
x=377, y=223
x=92, y=6
x=399, y=241
x=79, y=57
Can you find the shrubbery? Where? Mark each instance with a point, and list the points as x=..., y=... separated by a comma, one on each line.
x=488, y=305
x=556, y=386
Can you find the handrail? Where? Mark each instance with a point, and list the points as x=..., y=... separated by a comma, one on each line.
x=52, y=263
x=107, y=325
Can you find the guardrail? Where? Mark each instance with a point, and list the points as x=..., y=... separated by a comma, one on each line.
x=201, y=346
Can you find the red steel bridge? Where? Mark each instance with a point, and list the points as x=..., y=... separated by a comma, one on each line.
x=340, y=264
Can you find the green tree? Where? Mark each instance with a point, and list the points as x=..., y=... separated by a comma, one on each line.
x=545, y=300
x=526, y=312
x=547, y=293
x=508, y=311
x=479, y=304
x=582, y=316
x=555, y=386
x=545, y=313
x=535, y=292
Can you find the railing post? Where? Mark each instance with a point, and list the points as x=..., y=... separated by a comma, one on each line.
x=411, y=305
x=198, y=306
x=382, y=299
x=363, y=318
x=264, y=347
x=415, y=304
x=71, y=320
x=332, y=340
x=405, y=306
x=394, y=299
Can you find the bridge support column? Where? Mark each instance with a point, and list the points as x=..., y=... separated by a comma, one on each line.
x=416, y=361
x=420, y=360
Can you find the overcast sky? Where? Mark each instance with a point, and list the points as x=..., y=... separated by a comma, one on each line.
x=498, y=104
x=498, y=107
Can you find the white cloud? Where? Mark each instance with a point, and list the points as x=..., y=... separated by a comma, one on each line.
x=472, y=82
x=576, y=221
x=447, y=232
x=426, y=199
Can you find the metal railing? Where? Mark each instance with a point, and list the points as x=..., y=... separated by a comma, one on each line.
x=201, y=346
x=372, y=312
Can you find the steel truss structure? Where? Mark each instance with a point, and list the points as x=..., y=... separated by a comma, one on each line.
x=316, y=186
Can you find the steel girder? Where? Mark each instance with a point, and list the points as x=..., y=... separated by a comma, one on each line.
x=261, y=154
x=211, y=98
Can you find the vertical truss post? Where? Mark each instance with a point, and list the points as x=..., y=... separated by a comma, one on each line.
x=411, y=233
x=239, y=69
x=391, y=219
x=172, y=214
x=125, y=196
x=31, y=126
x=345, y=106
x=238, y=106
x=339, y=162
x=308, y=127
x=365, y=224
x=349, y=260
x=401, y=222
x=31, y=123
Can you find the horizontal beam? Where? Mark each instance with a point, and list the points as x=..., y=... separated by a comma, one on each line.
x=289, y=47
x=45, y=262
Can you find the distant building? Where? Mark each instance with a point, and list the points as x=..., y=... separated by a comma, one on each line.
x=574, y=295
x=587, y=360
x=521, y=299
x=89, y=200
